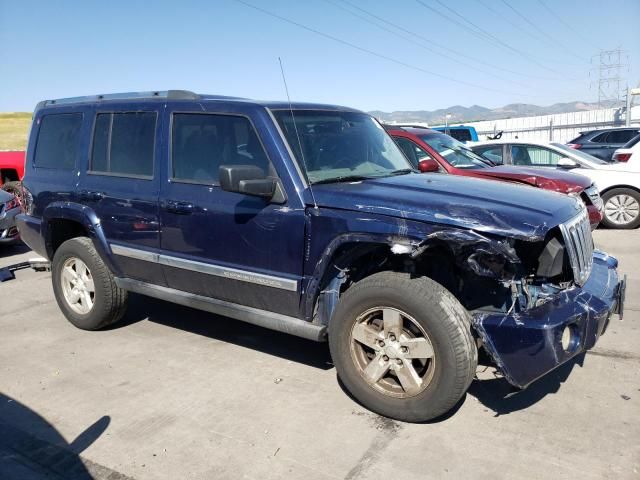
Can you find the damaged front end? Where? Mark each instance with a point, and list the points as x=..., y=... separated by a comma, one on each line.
x=537, y=304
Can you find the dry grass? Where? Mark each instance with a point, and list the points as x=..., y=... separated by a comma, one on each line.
x=14, y=127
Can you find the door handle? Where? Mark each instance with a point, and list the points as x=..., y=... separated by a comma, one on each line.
x=180, y=208
x=91, y=196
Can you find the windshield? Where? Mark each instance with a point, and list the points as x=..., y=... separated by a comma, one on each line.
x=454, y=152
x=580, y=155
x=340, y=146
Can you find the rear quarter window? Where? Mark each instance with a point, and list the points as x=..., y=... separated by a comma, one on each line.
x=58, y=141
x=462, y=135
x=601, y=138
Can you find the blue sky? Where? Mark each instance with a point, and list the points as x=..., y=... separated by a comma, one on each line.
x=405, y=57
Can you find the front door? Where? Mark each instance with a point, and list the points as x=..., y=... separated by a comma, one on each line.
x=228, y=246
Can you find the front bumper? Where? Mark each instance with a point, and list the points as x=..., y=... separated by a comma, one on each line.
x=527, y=345
x=8, y=229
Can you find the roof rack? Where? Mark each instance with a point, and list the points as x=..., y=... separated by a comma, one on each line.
x=166, y=94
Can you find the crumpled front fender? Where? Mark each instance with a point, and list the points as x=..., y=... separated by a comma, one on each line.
x=526, y=345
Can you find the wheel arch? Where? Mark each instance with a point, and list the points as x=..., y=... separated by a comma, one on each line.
x=62, y=221
x=612, y=187
x=352, y=257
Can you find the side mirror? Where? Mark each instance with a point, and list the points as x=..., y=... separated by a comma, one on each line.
x=428, y=165
x=246, y=179
x=567, y=163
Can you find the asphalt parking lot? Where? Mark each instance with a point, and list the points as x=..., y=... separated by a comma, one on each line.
x=176, y=393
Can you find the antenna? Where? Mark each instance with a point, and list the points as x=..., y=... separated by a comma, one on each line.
x=295, y=126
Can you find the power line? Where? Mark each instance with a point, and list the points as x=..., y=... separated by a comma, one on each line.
x=535, y=27
x=481, y=33
x=566, y=24
x=423, y=46
x=375, y=54
x=438, y=45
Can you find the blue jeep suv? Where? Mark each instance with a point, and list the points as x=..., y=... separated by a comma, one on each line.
x=308, y=219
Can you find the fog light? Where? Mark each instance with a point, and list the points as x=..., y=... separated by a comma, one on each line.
x=569, y=339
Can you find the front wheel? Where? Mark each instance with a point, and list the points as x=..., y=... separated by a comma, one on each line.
x=621, y=208
x=403, y=346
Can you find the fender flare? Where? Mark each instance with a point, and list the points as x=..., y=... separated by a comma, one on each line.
x=84, y=216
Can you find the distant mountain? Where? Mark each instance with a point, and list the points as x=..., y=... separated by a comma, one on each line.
x=476, y=112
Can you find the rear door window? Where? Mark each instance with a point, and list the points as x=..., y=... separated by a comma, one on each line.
x=123, y=144
x=534, y=156
x=58, y=141
x=621, y=136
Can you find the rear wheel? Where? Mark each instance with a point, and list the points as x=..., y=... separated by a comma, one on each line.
x=621, y=208
x=403, y=347
x=84, y=287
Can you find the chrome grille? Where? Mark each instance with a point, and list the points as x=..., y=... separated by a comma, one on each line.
x=594, y=196
x=579, y=245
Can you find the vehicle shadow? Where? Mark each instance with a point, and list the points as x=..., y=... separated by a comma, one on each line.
x=32, y=449
x=16, y=249
x=289, y=347
x=499, y=396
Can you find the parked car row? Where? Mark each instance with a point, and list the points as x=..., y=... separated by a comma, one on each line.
x=618, y=187
x=311, y=220
x=430, y=150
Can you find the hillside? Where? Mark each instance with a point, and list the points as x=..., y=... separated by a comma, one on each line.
x=13, y=130
x=476, y=112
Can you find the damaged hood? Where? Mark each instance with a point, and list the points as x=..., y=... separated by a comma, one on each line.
x=484, y=206
x=549, y=179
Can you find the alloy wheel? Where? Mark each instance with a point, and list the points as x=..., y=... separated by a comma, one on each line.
x=392, y=352
x=622, y=209
x=77, y=285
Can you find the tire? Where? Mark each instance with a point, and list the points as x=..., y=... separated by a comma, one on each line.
x=422, y=304
x=105, y=305
x=621, y=208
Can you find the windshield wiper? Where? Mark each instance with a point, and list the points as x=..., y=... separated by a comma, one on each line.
x=345, y=178
x=402, y=171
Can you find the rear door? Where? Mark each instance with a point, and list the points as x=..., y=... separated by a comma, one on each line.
x=229, y=246
x=121, y=184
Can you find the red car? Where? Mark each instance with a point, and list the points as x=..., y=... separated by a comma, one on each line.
x=11, y=166
x=11, y=171
x=432, y=151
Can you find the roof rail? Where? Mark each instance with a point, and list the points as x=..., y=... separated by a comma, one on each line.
x=167, y=94
x=401, y=125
